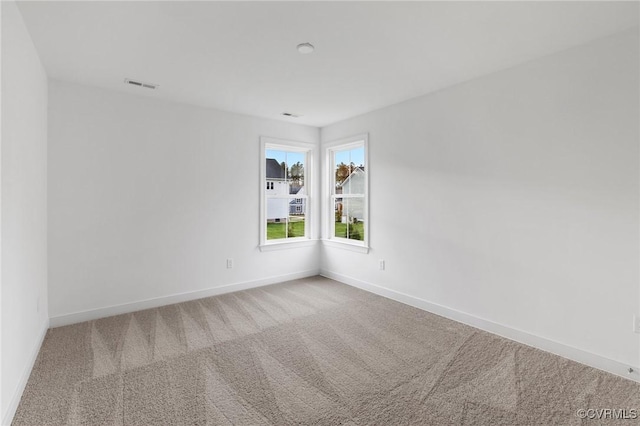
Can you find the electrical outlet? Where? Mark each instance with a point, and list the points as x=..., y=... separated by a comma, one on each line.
x=229, y=263
x=636, y=324
x=381, y=264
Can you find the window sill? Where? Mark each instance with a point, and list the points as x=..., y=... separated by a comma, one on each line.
x=358, y=248
x=284, y=245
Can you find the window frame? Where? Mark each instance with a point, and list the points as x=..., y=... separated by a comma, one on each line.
x=356, y=141
x=287, y=146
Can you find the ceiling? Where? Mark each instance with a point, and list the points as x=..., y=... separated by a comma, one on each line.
x=242, y=57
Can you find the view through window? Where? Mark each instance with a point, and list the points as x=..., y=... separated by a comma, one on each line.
x=349, y=191
x=285, y=194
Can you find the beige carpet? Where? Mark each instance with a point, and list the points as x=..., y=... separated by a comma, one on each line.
x=310, y=351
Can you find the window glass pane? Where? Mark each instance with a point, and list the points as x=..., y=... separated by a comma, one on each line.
x=341, y=171
x=358, y=175
x=297, y=206
x=357, y=157
x=297, y=216
x=355, y=218
x=275, y=170
x=277, y=217
x=276, y=231
x=349, y=218
x=296, y=165
x=349, y=171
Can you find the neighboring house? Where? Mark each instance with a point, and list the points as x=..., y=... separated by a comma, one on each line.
x=297, y=206
x=277, y=208
x=351, y=208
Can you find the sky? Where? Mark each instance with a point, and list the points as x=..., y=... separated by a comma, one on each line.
x=355, y=156
x=289, y=157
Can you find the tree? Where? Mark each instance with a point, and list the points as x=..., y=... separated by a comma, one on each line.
x=297, y=174
x=342, y=173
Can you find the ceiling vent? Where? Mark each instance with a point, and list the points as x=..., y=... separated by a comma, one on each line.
x=141, y=84
x=290, y=114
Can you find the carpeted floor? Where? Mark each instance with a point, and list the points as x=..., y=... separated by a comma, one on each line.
x=310, y=351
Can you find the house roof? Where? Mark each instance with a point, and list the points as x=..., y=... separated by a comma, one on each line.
x=296, y=190
x=357, y=171
x=274, y=169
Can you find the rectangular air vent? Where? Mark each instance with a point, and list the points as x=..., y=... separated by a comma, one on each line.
x=140, y=84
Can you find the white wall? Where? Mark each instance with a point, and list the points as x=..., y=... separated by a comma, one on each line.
x=1, y=396
x=24, y=206
x=148, y=199
x=513, y=198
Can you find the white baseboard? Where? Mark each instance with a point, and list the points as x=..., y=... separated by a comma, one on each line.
x=560, y=349
x=7, y=418
x=108, y=311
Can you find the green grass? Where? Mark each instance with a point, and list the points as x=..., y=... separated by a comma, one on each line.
x=276, y=231
x=341, y=230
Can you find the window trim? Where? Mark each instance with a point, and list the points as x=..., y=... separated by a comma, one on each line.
x=329, y=237
x=290, y=146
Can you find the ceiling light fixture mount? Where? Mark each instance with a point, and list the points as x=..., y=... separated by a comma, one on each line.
x=305, y=48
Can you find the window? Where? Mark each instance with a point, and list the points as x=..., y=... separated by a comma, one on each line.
x=284, y=204
x=348, y=191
